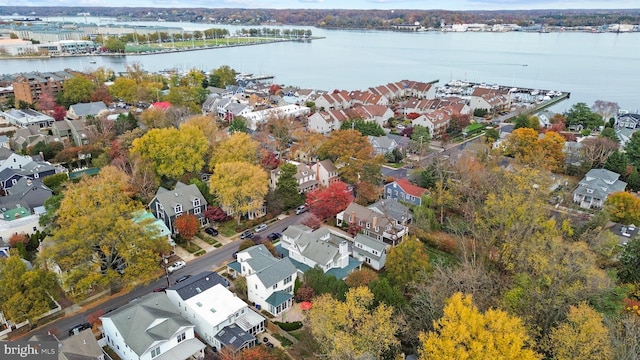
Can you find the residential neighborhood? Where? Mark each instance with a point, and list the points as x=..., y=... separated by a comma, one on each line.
x=216, y=216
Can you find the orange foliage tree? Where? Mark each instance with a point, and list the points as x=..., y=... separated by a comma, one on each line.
x=187, y=226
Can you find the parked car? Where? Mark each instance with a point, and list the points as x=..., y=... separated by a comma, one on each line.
x=211, y=231
x=76, y=329
x=261, y=227
x=176, y=266
x=300, y=209
x=248, y=234
x=274, y=236
x=182, y=278
x=160, y=289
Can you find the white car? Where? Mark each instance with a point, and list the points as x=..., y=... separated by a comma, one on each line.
x=261, y=227
x=176, y=266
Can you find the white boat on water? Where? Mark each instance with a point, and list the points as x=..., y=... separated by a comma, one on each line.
x=535, y=92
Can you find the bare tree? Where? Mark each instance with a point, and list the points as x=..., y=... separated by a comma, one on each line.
x=606, y=109
x=596, y=151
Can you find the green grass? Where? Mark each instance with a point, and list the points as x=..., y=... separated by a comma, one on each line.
x=209, y=239
x=296, y=334
x=217, y=245
x=191, y=247
x=188, y=44
x=440, y=257
x=228, y=228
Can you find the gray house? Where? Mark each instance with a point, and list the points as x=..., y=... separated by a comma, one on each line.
x=167, y=205
x=84, y=110
x=382, y=144
x=596, y=186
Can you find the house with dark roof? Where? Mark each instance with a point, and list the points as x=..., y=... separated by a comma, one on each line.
x=220, y=317
x=85, y=110
x=370, y=251
x=81, y=346
x=167, y=205
x=27, y=136
x=382, y=144
x=26, y=191
x=403, y=190
x=623, y=233
x=629, y=121
x=384, y=220
x=151, y=328
x=596, y=186
x=325, y=248
x=269, y=279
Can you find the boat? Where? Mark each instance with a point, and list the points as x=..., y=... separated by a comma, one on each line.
x=525, y=64
x=534, y=92
x=92, y=62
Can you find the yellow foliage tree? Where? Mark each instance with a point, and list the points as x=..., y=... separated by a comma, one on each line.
x=552, y=146
x=407, y=262
x=546, y=152
x=624, y=208
x=173, y=152
x=353, y=329
x=464, y=332
x=583, y=336
x=240, y=187
x=155, y=118
x=239, y=147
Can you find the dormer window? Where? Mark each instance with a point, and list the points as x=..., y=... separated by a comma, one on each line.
x=196, y=202
x=177, y=209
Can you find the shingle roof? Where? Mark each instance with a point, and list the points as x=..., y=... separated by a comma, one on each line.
x=92, y=108
x=198, y=284
x=409, y=188
x=182, y=194
x=150, y=319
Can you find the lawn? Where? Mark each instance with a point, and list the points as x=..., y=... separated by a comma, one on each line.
x=187, y=44
x=210, y=240
x=191, y=247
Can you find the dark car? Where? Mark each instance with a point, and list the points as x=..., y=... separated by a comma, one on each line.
x=182, y=278
x=246, y=235
x=274, y=236
x=211, y=231
x=76, y=329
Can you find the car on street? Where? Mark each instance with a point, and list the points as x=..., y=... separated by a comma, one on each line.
x=261, y=227
x=176, y=266
x=274, y=236
x=300, y=209
x=160, y=289
x=248, y=234
x=182, y=278
x=76, y=329
x=211, y=231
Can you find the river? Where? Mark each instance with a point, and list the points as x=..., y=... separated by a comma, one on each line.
x=591, y=67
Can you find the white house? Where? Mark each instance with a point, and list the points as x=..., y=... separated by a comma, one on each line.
x=324, y=248
x=326, y=172
x=370, y=251
x=151, y=328
x=305, y=176
x=220, y=317
x=325, y=122
x=269, y=279
x=260, y=117
x=385, y=220
x=26, y=117
x=596, y=186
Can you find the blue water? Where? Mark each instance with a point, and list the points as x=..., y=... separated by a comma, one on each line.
x=589, y=66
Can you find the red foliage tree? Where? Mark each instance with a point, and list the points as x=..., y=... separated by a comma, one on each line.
x=354, y=229
x=269, y=161
x=305, y=293
x=94, y=317
x=329, y=201
x=16, y=238
x=413, y=115
x=187, y=226
x=102, y=94
x=257, y=353
x=46, y=103
x=216, y=214
x=311, y=221
x=274, y=89
x=59, y=112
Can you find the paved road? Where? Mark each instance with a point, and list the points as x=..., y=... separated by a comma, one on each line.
x=211, y=261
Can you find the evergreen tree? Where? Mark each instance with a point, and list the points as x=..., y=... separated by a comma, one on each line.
x=617, y=162
x=633, y=149
x=287, y=187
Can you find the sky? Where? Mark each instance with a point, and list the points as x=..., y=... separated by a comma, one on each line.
x=349, y=4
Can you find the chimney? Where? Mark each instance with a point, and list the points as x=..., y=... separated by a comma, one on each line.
x=375, y=222
x=353, y=217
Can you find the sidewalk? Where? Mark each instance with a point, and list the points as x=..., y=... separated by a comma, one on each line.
x=186, y=256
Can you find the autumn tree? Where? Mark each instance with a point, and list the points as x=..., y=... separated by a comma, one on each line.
x=307, y=144
x=224, y=75
x=606, y=109
x=78, y=89
x=59, y=113
x=257, y=353
x=208, y=126
x=124, y=88
x=328, y=202
x=582, y=336
x=172, y=152
x=354, y=152
x=46, y=102
x=215, y=214
x=312, y=221
x=155, y=118
x=596, y=151
x=239, y=147
x=623, y=207
x=552, y=147
x=407, y=262
x=240, y=187
x=287, y=187
x=95, y=241
x=187, y=226
x=360, y=277
x=464, y=332
x=24, y=294
x=352, y=329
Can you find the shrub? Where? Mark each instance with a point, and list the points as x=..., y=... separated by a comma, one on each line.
x=289, y=326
